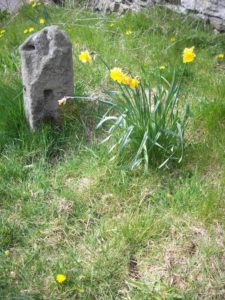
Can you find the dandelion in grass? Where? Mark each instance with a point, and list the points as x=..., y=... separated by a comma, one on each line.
x=85, y=57
x=7, y=253
x=162, y=68
x=28, y=30
x=42, y=21
x=220, y=56
x=60, y=278
x=128, y=32
x=188, y=55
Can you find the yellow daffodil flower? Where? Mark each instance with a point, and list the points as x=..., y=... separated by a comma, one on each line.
x=221, y=55
x=133, y=83
x=117, y=75
x=125, y=79
x=85, y=57
x=42, y=21
x=62, y=101
x=60, y=278
x=188, y=55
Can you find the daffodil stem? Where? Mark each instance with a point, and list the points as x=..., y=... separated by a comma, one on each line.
x=103, y=61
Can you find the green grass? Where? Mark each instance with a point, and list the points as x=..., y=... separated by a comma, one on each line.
x=65, y=208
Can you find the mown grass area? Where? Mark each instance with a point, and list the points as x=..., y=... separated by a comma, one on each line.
x=65, y=208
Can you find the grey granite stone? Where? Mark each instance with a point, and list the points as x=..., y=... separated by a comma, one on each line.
x=47, y=73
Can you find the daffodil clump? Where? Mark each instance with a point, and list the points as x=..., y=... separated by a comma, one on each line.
x=149, y=121
x=148, y=125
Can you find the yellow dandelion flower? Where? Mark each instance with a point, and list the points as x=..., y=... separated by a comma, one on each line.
x=60, y=278
x=128, y=32
x=85, y=57
x=62, y=101
x=7, y=253
x=31, y=29
x=188, y=55
x=221, y=55
x=162, y=67
x=173, y=39
x=42, y=21
x=117, y=75
x=134, y=83
x=26, y=31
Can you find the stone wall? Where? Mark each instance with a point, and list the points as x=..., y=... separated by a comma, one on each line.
x=209, y=10
x=212, y=11
x=13, y=5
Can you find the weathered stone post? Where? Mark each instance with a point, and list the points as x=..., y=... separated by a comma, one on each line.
x=47, y=73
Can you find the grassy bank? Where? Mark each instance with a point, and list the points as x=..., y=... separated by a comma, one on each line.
x=65, y=208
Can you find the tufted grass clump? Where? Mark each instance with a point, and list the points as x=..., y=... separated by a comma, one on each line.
x=147, y=124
